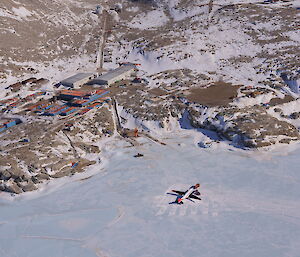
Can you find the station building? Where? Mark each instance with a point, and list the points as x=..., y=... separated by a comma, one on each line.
x=78, y=80
x=123, y=72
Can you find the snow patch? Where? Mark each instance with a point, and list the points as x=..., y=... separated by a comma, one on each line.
x=152, y=19
x=22, y=12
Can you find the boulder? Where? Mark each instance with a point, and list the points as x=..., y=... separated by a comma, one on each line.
x=5, y=175
x=295, y=115
x=67, y=171
x=39, y=177
x=12, y=187
x=28, y=186
x=2, y=186
x=17, y=174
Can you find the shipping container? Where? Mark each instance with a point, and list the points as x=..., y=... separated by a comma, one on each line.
x=9, y=101
x=10, y=123
x=80, y=102
x=54, y=107
x=15, y=104
x=85, y=110
x=32, y=107
x=94, y=97
x=71, y=94
x=97, y=96
x=39, y=106
x=33, y=96
x=69, y=111
x=94, y=105
x=56, y=110
x=40, y=93
x=2, y=128
x=42, y=107
x=29, y=97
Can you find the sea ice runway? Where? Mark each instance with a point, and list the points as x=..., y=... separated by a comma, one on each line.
x=249, y=207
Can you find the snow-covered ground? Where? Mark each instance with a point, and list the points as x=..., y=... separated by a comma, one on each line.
x=250, y=205
x=153, y=19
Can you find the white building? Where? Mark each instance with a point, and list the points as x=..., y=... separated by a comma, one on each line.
x=78, y=80
x=123, y=72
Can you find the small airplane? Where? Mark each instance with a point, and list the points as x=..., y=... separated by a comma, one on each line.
x=191, y=194
x=181, y=196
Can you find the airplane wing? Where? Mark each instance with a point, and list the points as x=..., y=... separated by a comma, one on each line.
x=179, y=192
x=194, y=197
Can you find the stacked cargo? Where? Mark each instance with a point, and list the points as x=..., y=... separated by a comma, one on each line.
x=73, y=100
x=33, y=96
x=79, y=102
x=56, y=109
x=71, y=94
x=97, y=96
x=89, y=98
x=3, y=102
x=69, y=111
x=105, y=99
x=29, y=97
x=2, y=128
x=49, y=108
x=40, y=107
x=9, y=101
x=8, y=123
x=15, y=104
x=90, y=107
x=85, y=110
x=33, y=107
x=97, y=104
x=39, y=93
x=95, y=92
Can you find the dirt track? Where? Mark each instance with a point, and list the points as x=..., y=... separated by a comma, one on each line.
x=219, y=94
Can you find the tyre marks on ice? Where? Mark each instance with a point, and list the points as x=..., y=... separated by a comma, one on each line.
x=120, y=215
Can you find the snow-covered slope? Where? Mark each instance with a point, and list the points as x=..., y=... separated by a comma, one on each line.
x=243, y=42
x=250, y=206
x=40, y=37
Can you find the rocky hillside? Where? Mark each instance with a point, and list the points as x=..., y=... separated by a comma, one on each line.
x=238, y=41
x=41, y=35
x=41, y=149
x=190, y=49
x=217, y=63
